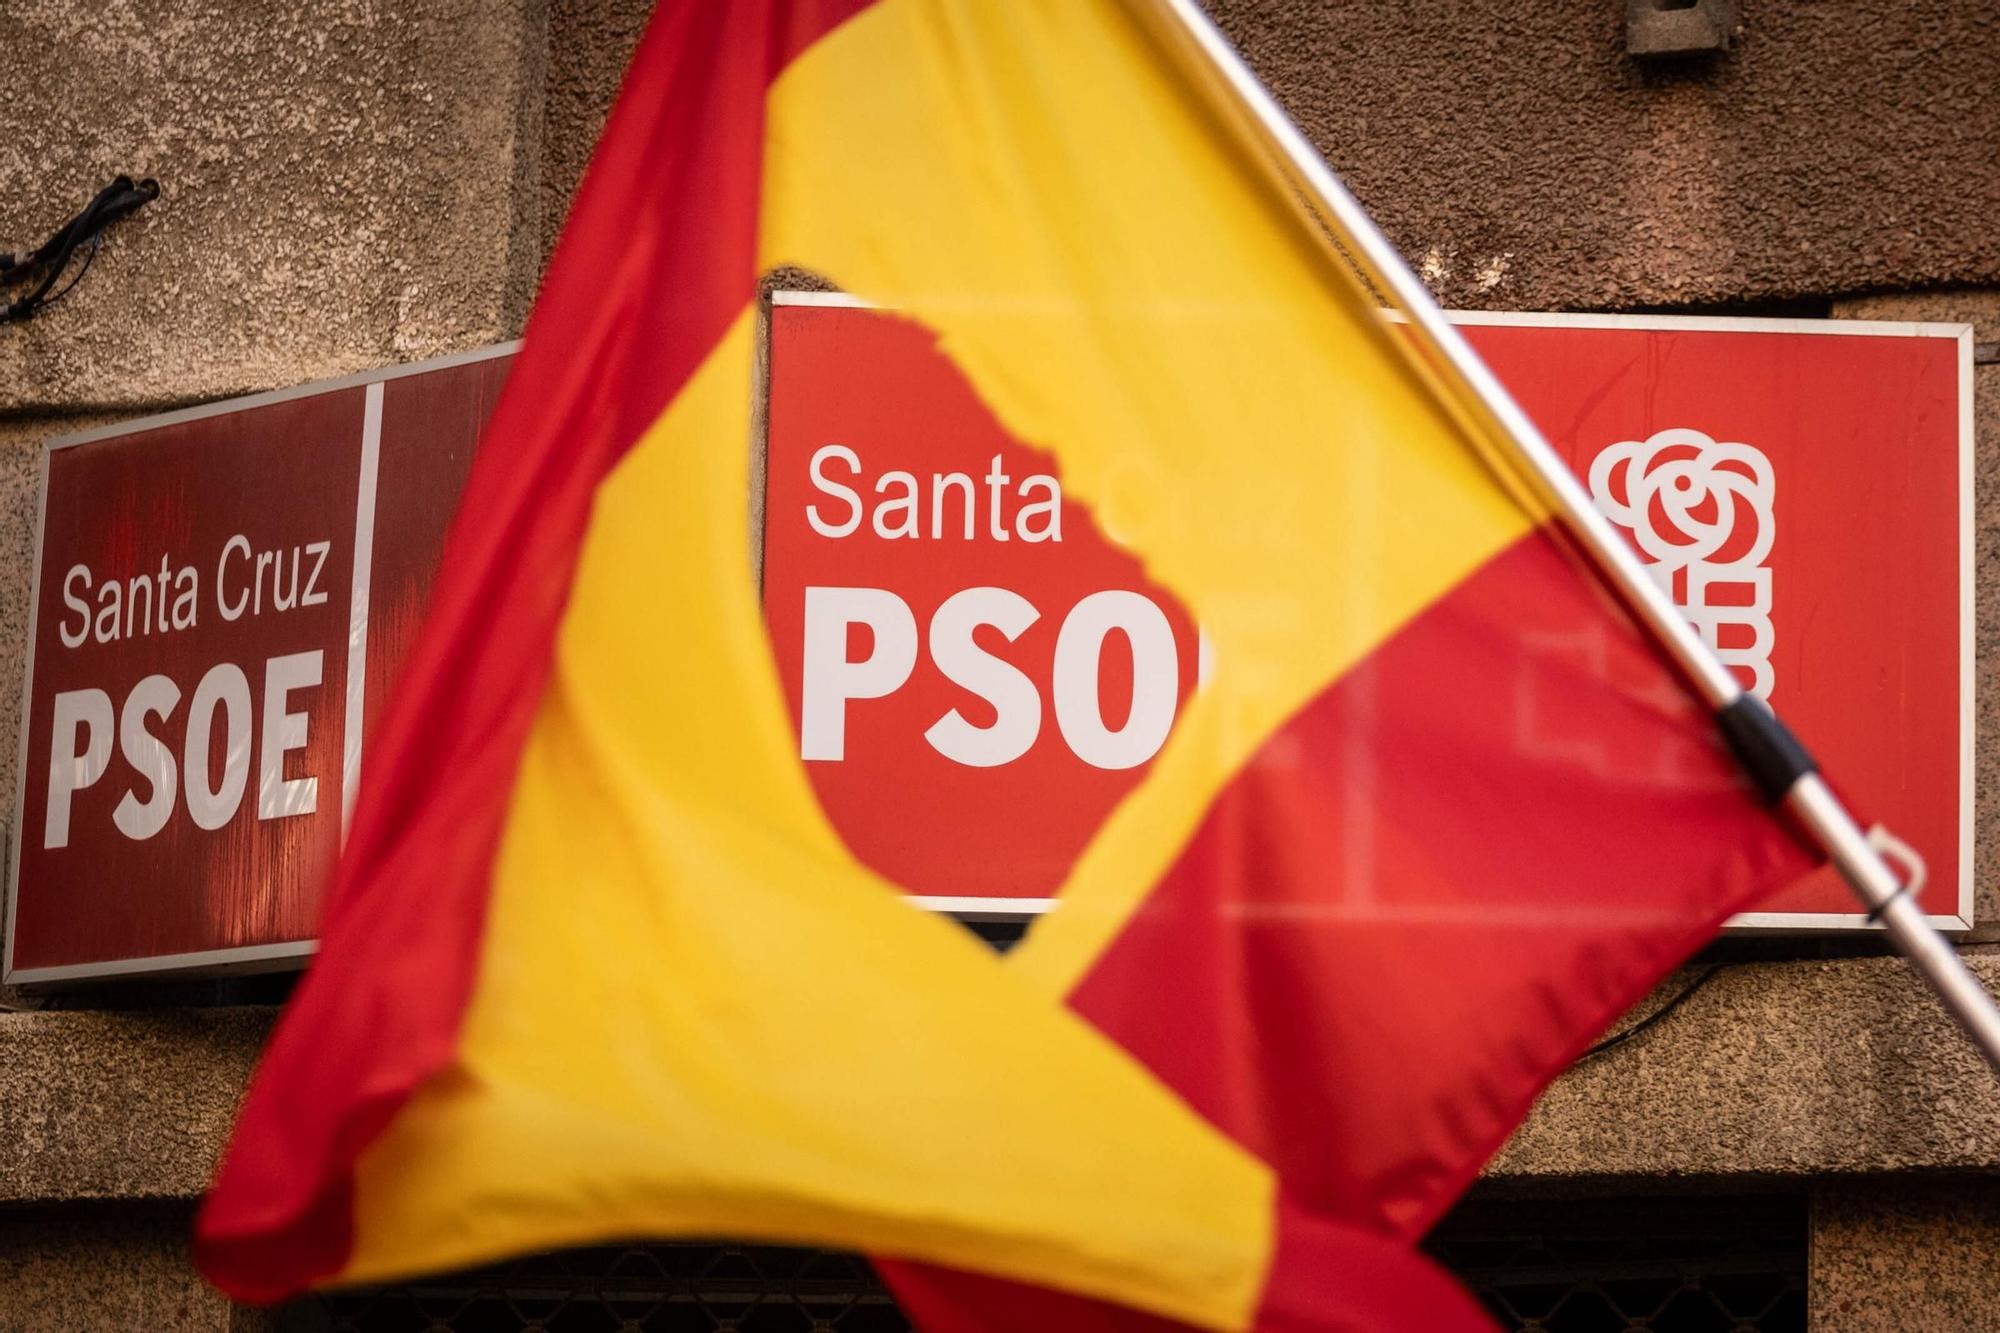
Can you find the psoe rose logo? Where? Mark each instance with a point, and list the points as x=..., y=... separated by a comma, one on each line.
x=1700, y=513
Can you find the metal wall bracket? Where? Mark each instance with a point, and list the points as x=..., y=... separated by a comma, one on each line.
x=1679, y=27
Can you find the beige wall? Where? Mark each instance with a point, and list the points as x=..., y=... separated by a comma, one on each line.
x=1913, y=1256
x=343, y=185
x=365, y=182
x=1838, y=148
x=102, y=1269
x=1518, y=154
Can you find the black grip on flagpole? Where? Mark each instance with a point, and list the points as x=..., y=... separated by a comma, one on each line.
x=1766, y=748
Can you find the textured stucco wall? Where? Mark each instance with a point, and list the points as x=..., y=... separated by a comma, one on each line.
x=119, y=1105
x=1524, y=161
x=20, y=479
x=104, y=1270
x=1773, y=1069
x=1517, y=148
x=590, y=42
x=1900, y=1256
x=372, y=181
x=343, y=185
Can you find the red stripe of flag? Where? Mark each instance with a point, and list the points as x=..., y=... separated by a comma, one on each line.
x=658, y=257
x=1434, y=887
x=1416, y=904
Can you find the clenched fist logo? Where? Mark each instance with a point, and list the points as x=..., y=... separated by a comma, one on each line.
x=1701, y=515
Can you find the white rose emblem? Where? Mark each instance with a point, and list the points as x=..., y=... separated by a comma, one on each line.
x=1701, y=514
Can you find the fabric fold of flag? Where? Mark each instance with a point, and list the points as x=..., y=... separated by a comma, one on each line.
x=598, y=966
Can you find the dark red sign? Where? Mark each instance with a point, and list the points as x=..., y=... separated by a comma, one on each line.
x=222, y=597
x=978, y=673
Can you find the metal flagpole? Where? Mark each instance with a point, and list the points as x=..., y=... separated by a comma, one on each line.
x=1777, y=764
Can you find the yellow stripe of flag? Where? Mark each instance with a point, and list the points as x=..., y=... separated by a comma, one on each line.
x=699, y=1016
x=1099, y=256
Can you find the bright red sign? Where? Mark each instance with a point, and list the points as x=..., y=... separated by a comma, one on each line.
x=1803, y=489
x=977, y=673
x=221, y=599
x=960, y=645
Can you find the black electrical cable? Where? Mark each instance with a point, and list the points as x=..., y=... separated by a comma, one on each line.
x=113, y=202
x=1681, y=997
x=51, y=259
x=76, y=277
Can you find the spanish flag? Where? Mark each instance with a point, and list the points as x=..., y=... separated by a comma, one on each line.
x=598, y=965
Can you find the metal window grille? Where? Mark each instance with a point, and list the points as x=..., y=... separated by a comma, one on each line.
x=661, y=1288
x=1667, y=1265
x=1695, y=1265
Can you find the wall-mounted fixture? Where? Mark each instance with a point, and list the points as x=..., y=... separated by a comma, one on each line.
x=1678, y=27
